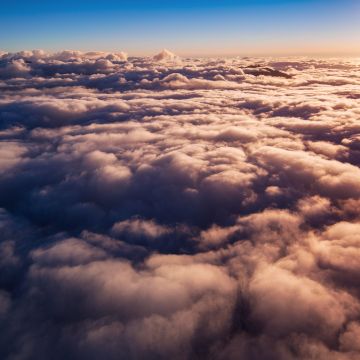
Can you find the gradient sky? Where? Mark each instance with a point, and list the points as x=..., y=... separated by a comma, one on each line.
x=198, y=27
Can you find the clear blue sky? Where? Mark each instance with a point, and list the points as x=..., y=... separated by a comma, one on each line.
x=198, y=27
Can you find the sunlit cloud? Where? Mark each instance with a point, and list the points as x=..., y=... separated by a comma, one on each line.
x=170, y=208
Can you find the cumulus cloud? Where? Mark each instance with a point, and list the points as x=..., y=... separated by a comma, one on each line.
x=164, y=55
x=167, y=208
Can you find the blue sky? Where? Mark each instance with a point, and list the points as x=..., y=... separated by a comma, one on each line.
x=198, y=27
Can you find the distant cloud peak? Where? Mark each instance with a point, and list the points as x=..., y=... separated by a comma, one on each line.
x=165, y=55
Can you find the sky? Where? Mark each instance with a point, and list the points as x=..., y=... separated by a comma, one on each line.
x=189, y=28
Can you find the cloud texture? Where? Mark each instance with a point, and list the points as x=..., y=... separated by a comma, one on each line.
x=167, y=208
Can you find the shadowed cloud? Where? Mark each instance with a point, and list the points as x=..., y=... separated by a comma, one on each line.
x=169, y=208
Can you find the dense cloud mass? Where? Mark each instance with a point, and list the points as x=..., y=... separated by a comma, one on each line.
x=168, y=208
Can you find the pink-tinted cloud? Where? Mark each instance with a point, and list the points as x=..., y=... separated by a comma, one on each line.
x=167, y=208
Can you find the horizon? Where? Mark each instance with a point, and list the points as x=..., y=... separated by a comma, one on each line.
x=200, y=56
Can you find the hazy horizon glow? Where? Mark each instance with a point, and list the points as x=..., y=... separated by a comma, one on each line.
x=189, y=28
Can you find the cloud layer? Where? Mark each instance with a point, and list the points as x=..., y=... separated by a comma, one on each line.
x=167, y=208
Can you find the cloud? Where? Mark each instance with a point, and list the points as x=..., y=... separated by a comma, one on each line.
x=137, y=227
x=15, y=68
x=156, y=208
x=164, y=55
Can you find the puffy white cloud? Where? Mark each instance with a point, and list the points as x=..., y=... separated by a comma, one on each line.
x=164, y=55
x=138, y=227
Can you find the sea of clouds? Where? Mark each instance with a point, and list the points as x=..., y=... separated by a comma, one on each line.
x=168, y=208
